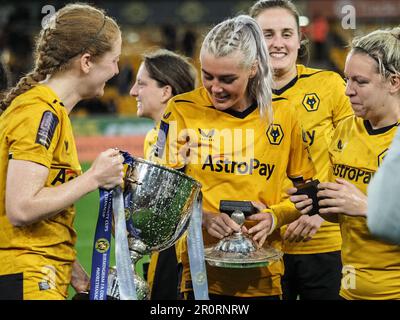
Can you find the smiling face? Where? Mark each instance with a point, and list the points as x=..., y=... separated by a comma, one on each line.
x=226, y=80
x=104, y=68
x=365, y=87
x=281, y=34
x=151, y=98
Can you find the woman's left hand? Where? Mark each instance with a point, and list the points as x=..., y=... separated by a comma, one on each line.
x=342, y=197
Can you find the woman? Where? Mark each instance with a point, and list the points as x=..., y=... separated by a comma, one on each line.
x=371, y=266
x=227, y=135
x=162, y=75
x=40, y=176
x=311, y=246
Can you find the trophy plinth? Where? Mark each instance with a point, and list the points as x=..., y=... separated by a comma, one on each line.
x=240, y=251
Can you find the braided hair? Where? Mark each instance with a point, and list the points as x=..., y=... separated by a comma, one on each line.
x=73, y=30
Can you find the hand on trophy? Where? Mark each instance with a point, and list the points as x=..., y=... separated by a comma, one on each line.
x=263, y=228
x=107, y=169
x=219, y=225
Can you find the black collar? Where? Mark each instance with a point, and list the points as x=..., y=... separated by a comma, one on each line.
x=371, y=131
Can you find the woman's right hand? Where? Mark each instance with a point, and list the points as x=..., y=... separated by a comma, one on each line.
x=302, y=202
x=108, y=169
x=219, y=225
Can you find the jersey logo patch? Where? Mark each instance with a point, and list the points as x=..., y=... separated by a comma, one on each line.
x=161, y=139
x=311, y=102
x=166, y=115
x=275, y=134
x=207, y=135
x=47, y=128
x=382, y=156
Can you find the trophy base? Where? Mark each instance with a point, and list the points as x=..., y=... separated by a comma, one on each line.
x=256, y=259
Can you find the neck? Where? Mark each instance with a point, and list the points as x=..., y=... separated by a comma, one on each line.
x=282, y=78
x=243, y=106
x=66, y=89
x=390, y=116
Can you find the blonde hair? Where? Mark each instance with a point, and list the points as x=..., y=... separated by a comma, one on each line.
x=73, y=30
x=384, y=47
x=243, y=34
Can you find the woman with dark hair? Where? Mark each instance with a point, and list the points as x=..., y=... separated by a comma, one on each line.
x=162, y=75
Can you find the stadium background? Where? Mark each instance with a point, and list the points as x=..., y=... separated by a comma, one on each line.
x=179, y=26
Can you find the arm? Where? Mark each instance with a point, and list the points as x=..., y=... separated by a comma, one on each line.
x=80, y=280
x=29, y=201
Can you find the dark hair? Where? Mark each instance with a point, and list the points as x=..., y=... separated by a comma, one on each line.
x=169, y=68
x=73, y=30
x=262, y=5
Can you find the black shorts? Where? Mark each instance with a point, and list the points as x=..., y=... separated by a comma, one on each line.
x=11, y=286
x=312, y=276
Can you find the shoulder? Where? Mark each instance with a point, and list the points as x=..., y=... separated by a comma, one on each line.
x=188, y=104
x=347, y=124
x=197, y=97
x=312, y=74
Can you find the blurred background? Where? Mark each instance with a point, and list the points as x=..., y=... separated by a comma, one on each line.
x=179, y=26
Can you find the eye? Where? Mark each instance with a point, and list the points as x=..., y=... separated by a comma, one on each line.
x=207, y=76
x=267, y=35
x=287, y=35
x=228, y=80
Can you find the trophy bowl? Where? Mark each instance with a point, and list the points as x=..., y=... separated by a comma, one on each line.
x=158, y=204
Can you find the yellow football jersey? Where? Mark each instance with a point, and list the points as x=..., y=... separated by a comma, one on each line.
x=36, y=128
x=319, y=100
x=371, y=267
x=149, y=142
x=235, y=156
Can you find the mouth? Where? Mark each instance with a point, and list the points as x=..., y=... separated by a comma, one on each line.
x=277, y=55
x=222, y=98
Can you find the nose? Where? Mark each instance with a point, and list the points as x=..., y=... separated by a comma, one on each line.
x=216, y=88
x=349, y=89
x=275, y=42
x=134, y=90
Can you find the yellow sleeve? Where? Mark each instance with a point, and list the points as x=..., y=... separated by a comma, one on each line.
x=284, y=213
x=34, y=134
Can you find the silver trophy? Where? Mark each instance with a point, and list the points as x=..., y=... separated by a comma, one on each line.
x=239, y=250
x=158, y=205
